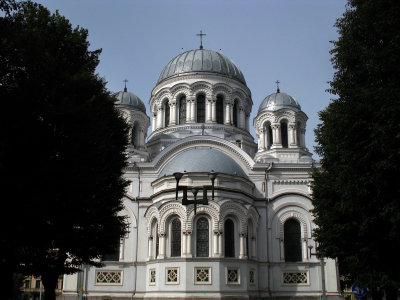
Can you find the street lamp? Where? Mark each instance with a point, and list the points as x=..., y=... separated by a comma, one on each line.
x=185, y=201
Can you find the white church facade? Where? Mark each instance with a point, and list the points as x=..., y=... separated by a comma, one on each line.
x=253, y=239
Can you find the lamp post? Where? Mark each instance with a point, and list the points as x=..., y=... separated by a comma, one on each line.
x=185, y=201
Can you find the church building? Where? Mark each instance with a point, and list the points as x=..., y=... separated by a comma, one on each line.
x=250, y=233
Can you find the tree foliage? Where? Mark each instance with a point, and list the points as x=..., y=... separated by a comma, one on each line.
x=356, y=192
x=62, y=148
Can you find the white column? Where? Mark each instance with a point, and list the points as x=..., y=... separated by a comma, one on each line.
x=208, y=111
x=220, y=244
x=228, y=114
x=304, y=244
x=292, y=135
x=242, y=252
x=150, y=250
x=188, y=244
x=184, y=244
x=261, y=142
x=172, y=114
x=193, y=111
x=161, y=251
x=276, y=135
x=214, y=111
x=154, y=127
x=215, y=244
x=188, y=109
x=159, y=118
x=247, y=123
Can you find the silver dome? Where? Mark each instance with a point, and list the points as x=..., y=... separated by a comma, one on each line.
x=277, y=101
x=201, y=60
x=203, y=159
x=129, y=100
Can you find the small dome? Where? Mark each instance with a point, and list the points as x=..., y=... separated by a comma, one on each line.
x=129, y=100
x=205, y=61
x=277, y=101
x=203, y=159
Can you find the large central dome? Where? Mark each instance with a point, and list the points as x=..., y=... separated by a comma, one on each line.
x=201, y=61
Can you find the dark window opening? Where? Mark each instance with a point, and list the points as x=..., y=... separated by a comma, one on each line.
x=220, y=110
x=201, y=108
x=235, y=114
x=176, y=238
x=166, y=113
x=284, y=134
x=202, y=237
x=229, y=238
x=182, y=110
x=292, y=240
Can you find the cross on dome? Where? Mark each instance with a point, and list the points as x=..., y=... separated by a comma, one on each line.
x=277, y=86
x=125, y=80
x=201, y=34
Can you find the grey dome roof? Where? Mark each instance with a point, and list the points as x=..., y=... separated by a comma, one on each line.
x=203, y=159
x=130, y=100
x=277, y=101
x=201, y=60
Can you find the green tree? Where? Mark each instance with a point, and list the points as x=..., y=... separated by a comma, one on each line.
x=357, y=192
x=62, y=145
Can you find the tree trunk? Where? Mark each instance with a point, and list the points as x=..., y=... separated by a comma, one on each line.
x=50, y=283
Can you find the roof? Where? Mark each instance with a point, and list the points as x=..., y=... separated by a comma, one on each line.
x=129, y=100
x=203, y=159
x=277, y=101
x=201, y=60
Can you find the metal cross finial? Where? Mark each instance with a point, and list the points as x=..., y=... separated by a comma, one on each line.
x=277, y=86
x=125, y=80
x=201, y=34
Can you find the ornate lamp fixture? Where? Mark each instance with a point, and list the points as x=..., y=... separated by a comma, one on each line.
x=185, y=201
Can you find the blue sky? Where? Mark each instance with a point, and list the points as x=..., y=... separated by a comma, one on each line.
x=269, y=40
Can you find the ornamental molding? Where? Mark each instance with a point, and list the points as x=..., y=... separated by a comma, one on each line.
x=204, y=76
x=237, y=210
x=253, y=215
x=201, y=87
x=207, y=141
x=142, y=118
x=168, y=210
x=292, y=215
x=181, y=91
x=150, y=215
x=291, y=181
x=212, y=210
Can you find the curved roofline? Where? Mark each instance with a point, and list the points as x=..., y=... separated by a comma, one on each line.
x=217, y=63
x=237, y=154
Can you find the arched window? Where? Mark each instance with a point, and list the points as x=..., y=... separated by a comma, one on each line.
x=284, y=133
x=229, y=231
x=268, y=135
x=220, y=109
x=202, y=239
x=176, y=237
x=166, y=113
x=135, y=135
x=235, y=113
x=292, y=240
x=201, y=108
x=182, y=110
x=157, y=241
